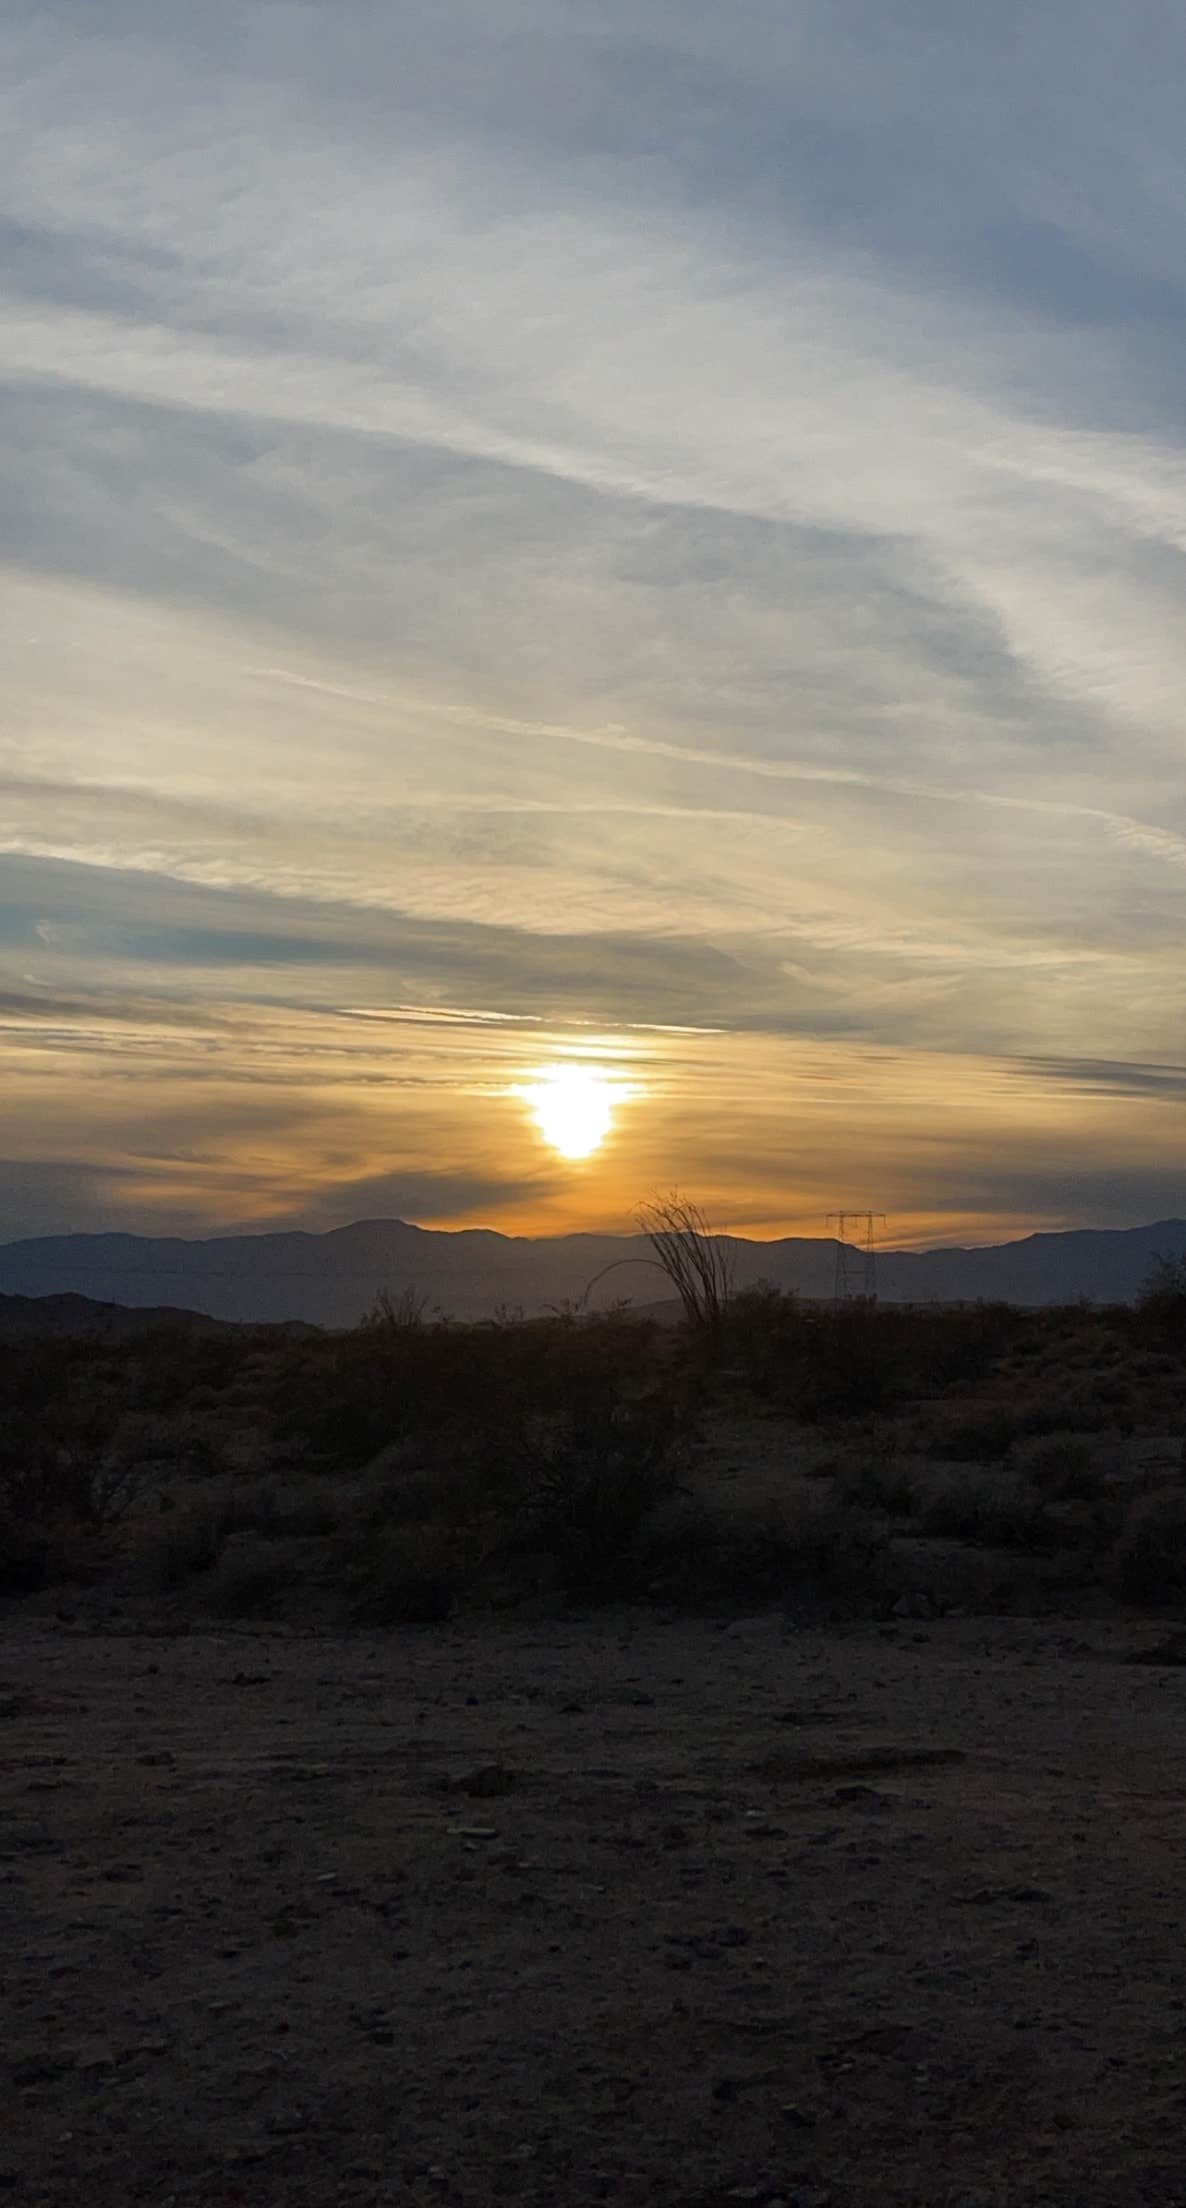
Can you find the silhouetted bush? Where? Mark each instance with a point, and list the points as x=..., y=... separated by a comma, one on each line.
x=823, y=1557
x=977, y=1433
x=1149, y=1559
x=48, y=1484
x=991, y=1511
x=410, y=1577
x=35, y=1555
x=251, y=1579
x=826, y=1361
x=874, y=1475
x=947, y=1346
x=702, y=1554
x=1161, y=1305
x=761, y=1339
x=840, y=1557
x=591, y=1474
x=847, y=1363
x=190, y=1540
x=345, y=1398
x=1062, y=1467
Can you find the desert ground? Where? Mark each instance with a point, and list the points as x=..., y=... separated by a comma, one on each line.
x=620, y=1907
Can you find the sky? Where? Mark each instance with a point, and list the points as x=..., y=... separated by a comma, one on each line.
x=629, y=551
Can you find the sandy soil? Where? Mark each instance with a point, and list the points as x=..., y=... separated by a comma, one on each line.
x=610, y=1910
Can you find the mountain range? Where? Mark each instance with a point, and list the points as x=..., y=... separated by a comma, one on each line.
x=332, y=1279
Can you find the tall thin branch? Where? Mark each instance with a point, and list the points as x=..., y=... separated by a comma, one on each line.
x=698, y=1263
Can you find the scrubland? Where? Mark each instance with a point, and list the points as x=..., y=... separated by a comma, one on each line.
x=836, y=1462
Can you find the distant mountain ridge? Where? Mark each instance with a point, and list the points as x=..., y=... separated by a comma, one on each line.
x=331, y=1279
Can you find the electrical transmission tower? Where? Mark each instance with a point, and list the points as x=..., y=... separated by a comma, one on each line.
x=856, y=1264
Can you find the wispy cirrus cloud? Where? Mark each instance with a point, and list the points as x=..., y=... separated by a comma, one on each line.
x=654, y=521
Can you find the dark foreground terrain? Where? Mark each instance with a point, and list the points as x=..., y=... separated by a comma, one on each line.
x=621, y=1908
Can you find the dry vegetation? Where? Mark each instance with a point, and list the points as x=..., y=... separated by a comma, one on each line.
x=838, y=1462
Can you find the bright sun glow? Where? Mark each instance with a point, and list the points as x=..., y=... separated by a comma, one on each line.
x=573, y=1107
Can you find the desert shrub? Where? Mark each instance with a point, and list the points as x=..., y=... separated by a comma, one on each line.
x=1149, y=1558
x=343, y=1399
x=340, y=1400
x=820, y=1361
x=56, y=1504
x=307, y=1512
x=845, y=1360
x=1062, y=1467
x=820, y=1556
x=1091, y=1408
x=875, y=1476
x=171, y=1367
x=157, y=1444
x=761, y=1338
x=1161, y=1305
x=840, y=1555
x=189, y=1541
x=1152, y=1364
x=849, y=1365
x=982, y=1432
x=976, y=1433
x=38, y=1554
x=704, y=1554
x=408, y=1577
x=590, y=1475
x=461, y=1476
x=993, y=1512
x=945, y=1346
x=397, y=1316
x=1114, y=1390
x=250, y=1577
x=283, y=1509
x=79, y=1439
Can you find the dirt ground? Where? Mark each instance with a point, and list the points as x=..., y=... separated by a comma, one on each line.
x=618, y=1909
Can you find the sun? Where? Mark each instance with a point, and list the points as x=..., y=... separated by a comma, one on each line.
x=573, y=1107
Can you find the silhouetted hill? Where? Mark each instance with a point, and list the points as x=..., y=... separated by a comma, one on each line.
x=71, y=1314
x=331, y=1279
